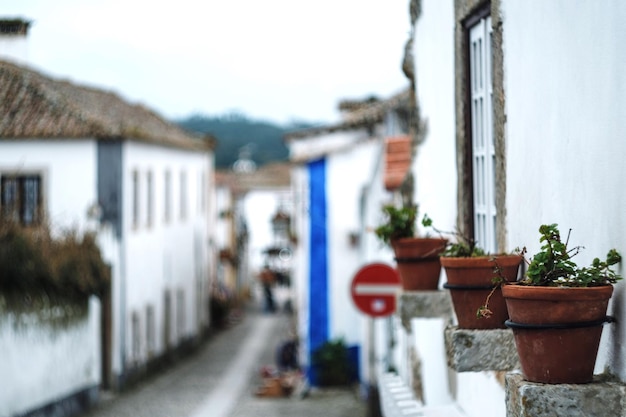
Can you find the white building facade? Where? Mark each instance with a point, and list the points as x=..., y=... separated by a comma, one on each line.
x=146, y=189
x=334, y=169
x=521, y=100
x=520, y=125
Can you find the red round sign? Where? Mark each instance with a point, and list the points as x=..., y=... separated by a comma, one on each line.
x=374, y=289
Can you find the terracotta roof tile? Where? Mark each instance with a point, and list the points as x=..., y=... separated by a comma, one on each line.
x=35, y=106
x=397, y=161
x=357, y=114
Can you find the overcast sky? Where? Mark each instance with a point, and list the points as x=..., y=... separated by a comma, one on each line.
x=270, y=59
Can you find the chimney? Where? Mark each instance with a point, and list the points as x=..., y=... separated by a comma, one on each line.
x=13, y=40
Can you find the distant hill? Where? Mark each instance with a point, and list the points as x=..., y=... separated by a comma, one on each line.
x=238, y=135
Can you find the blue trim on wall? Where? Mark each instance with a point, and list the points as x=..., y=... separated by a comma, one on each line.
x=318, y=256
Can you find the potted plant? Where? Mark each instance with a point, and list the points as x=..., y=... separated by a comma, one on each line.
x=558, y=309
x=331, y=365
x=473, y=276
x=417, y=258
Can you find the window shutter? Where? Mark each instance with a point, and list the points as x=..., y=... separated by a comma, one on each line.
x=483, y=145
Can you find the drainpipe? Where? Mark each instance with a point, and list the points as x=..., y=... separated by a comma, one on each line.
x=122, y=318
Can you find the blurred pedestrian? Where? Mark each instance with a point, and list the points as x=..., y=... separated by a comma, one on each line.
x=268, y=278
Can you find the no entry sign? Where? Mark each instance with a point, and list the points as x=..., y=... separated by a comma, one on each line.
x=374, y=289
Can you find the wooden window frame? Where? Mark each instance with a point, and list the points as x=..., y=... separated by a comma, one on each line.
x=18, y=210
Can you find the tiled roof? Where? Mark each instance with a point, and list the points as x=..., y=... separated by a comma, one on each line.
x=34, y=106
x=358, y=114
x=397, y=161
x=271, y=176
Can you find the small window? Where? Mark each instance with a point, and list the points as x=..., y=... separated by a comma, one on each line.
x=149, y=198
x=167, y=202
x=180, y=312
x=21, y=199
x=202, y=193
x=183, y=195
x=136, y=199
x=150, y=330
x=136, y=335
x=483, y=144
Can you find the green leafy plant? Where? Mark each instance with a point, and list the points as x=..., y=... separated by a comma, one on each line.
x=399, y=223
x=553, y=266
x=464, y=247
x=331, y=362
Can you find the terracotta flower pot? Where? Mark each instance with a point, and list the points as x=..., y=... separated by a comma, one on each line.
x=470, y=280
x=557, y=330
x=418, y=262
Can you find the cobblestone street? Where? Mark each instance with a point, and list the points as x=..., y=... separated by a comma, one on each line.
x=221, y=378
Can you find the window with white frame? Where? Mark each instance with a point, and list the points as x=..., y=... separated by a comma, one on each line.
x=483, y=143
x=21, y=198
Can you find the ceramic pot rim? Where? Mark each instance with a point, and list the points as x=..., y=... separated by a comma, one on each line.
x=533, y=292
x=481, y=261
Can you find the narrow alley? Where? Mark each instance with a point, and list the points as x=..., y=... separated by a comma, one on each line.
x=221, y=379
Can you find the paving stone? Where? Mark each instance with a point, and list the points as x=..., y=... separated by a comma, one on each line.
x=182, y=390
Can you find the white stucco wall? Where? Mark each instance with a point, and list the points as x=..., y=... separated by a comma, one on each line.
x=435, y=165
x=565, y=94
x=35, y=356
x=347, y=174
x=14, y=48
x=165, y=255
x=68, y=169
x=35, y=369
x=435, y=170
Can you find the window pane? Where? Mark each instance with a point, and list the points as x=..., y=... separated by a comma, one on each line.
x=483, y=149
x=31, y=200
x=135, y=199
x=20, y=199
x=10, y=199
x=167, y=208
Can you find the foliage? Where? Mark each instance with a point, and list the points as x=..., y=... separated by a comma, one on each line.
x=553, y=264
x=22, y=261
x=32, y=262
x=78, y=265
x=264, y=140
x=399, y=223
x=331, y=362
x=464, y=247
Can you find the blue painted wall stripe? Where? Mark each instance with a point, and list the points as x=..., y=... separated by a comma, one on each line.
x=318, y=256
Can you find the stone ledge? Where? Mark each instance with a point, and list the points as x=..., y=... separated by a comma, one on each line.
x=423, y=304
x=480, y=350
x=602, y=397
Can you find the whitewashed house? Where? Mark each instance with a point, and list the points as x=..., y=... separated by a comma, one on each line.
x=520, y=125
x=334, y=178
x=522, y=101
x=86, y=159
